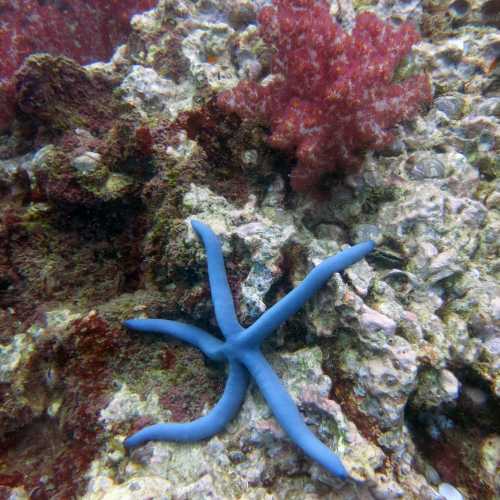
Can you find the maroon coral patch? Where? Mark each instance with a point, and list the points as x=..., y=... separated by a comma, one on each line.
x=334, y=95
x=85, y=30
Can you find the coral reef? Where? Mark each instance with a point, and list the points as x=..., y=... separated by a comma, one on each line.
x=86, y=31
x=58, y=94
x=99, y=148
x=69, y=359
x=394, y=363
x=333, y=95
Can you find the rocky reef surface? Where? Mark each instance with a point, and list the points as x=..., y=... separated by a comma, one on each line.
x=395, y=364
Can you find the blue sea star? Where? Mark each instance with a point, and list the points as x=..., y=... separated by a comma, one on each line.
x=241, y=350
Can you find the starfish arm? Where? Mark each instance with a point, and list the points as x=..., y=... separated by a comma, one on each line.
x=215, y=421
x=288, y=415
x=219, y=287
x=208, y=344
x=295, y=299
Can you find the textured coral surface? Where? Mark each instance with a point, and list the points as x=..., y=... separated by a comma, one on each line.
x=85, y=30
x=334, y=94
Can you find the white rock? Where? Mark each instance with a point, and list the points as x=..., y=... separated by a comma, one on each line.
x=449, y=492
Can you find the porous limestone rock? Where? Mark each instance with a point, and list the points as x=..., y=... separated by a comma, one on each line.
x=262, y=238
x=127, y=405
x=436, y=388
x=253, y=450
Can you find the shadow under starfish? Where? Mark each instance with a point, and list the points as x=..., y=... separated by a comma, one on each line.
x=241, y=350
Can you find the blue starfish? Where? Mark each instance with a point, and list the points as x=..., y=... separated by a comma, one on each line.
x=241, y=350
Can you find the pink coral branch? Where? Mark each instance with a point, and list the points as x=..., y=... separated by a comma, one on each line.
x=334, y=94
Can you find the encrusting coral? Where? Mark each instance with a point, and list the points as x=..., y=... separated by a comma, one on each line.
x=333, y=95
x=241, y=350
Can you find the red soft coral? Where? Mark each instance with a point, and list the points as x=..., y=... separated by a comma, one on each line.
x=333, y=94
x=85, y=30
